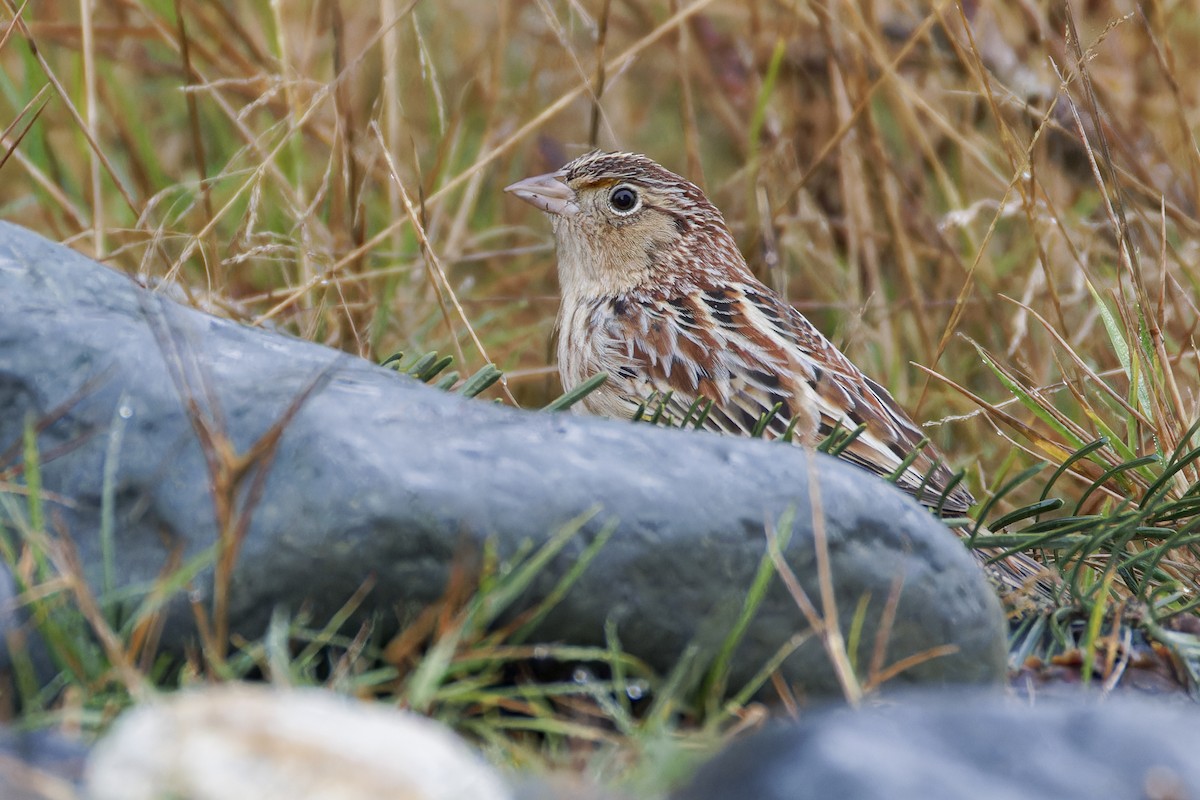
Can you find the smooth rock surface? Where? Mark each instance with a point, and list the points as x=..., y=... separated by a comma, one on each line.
x=243, y=741
x=377, y=475
x=40, y=765
x=983, y=746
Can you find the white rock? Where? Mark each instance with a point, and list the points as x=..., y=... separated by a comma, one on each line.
x=260, y=743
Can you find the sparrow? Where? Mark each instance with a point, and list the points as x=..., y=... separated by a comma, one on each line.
x=656, y=294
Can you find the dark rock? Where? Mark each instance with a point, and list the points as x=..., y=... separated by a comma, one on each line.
x=8, y=605
x=378, y=475
x=983, y=746
x=40, y=765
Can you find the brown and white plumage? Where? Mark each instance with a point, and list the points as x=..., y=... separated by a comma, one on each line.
x=656, y=293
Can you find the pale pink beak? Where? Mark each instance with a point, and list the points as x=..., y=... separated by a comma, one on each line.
x=548, y=193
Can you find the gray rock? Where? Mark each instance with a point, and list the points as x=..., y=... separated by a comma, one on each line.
x=40, y=765
x=983, y=746
x=379, y=475
x=9, y=620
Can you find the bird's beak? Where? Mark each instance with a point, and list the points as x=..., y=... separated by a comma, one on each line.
x=548, y=193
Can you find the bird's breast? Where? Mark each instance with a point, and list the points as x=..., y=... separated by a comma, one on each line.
x=588, y=343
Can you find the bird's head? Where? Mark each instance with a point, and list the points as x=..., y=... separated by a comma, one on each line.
x=623, y=222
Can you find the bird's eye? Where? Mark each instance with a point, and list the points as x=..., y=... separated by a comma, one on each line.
x=624, y=199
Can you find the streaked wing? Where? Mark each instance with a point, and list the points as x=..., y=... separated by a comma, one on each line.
x=748, y=351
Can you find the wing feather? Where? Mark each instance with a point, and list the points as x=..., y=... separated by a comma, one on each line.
x=748, y=351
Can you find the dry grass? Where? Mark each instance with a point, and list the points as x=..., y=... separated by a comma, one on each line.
x=915, y=178
x=970, y=188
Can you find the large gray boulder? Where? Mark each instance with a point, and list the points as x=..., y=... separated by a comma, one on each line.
x=378, y=475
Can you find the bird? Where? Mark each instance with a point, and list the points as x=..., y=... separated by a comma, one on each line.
x=657, y=295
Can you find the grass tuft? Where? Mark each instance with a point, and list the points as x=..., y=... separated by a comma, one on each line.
x=981, y=204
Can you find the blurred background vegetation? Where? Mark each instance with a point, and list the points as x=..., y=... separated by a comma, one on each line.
x=928, y=182
x=1005, y=194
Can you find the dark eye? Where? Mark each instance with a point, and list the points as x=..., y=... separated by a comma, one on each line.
x=623, y=199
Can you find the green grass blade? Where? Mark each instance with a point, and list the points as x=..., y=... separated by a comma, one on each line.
x=577, y=393
x=716, y=680
x=1028, y=401
x=481, y=380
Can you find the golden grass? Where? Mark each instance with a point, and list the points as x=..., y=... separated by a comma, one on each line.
x=931, y=184
x=978, y=191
